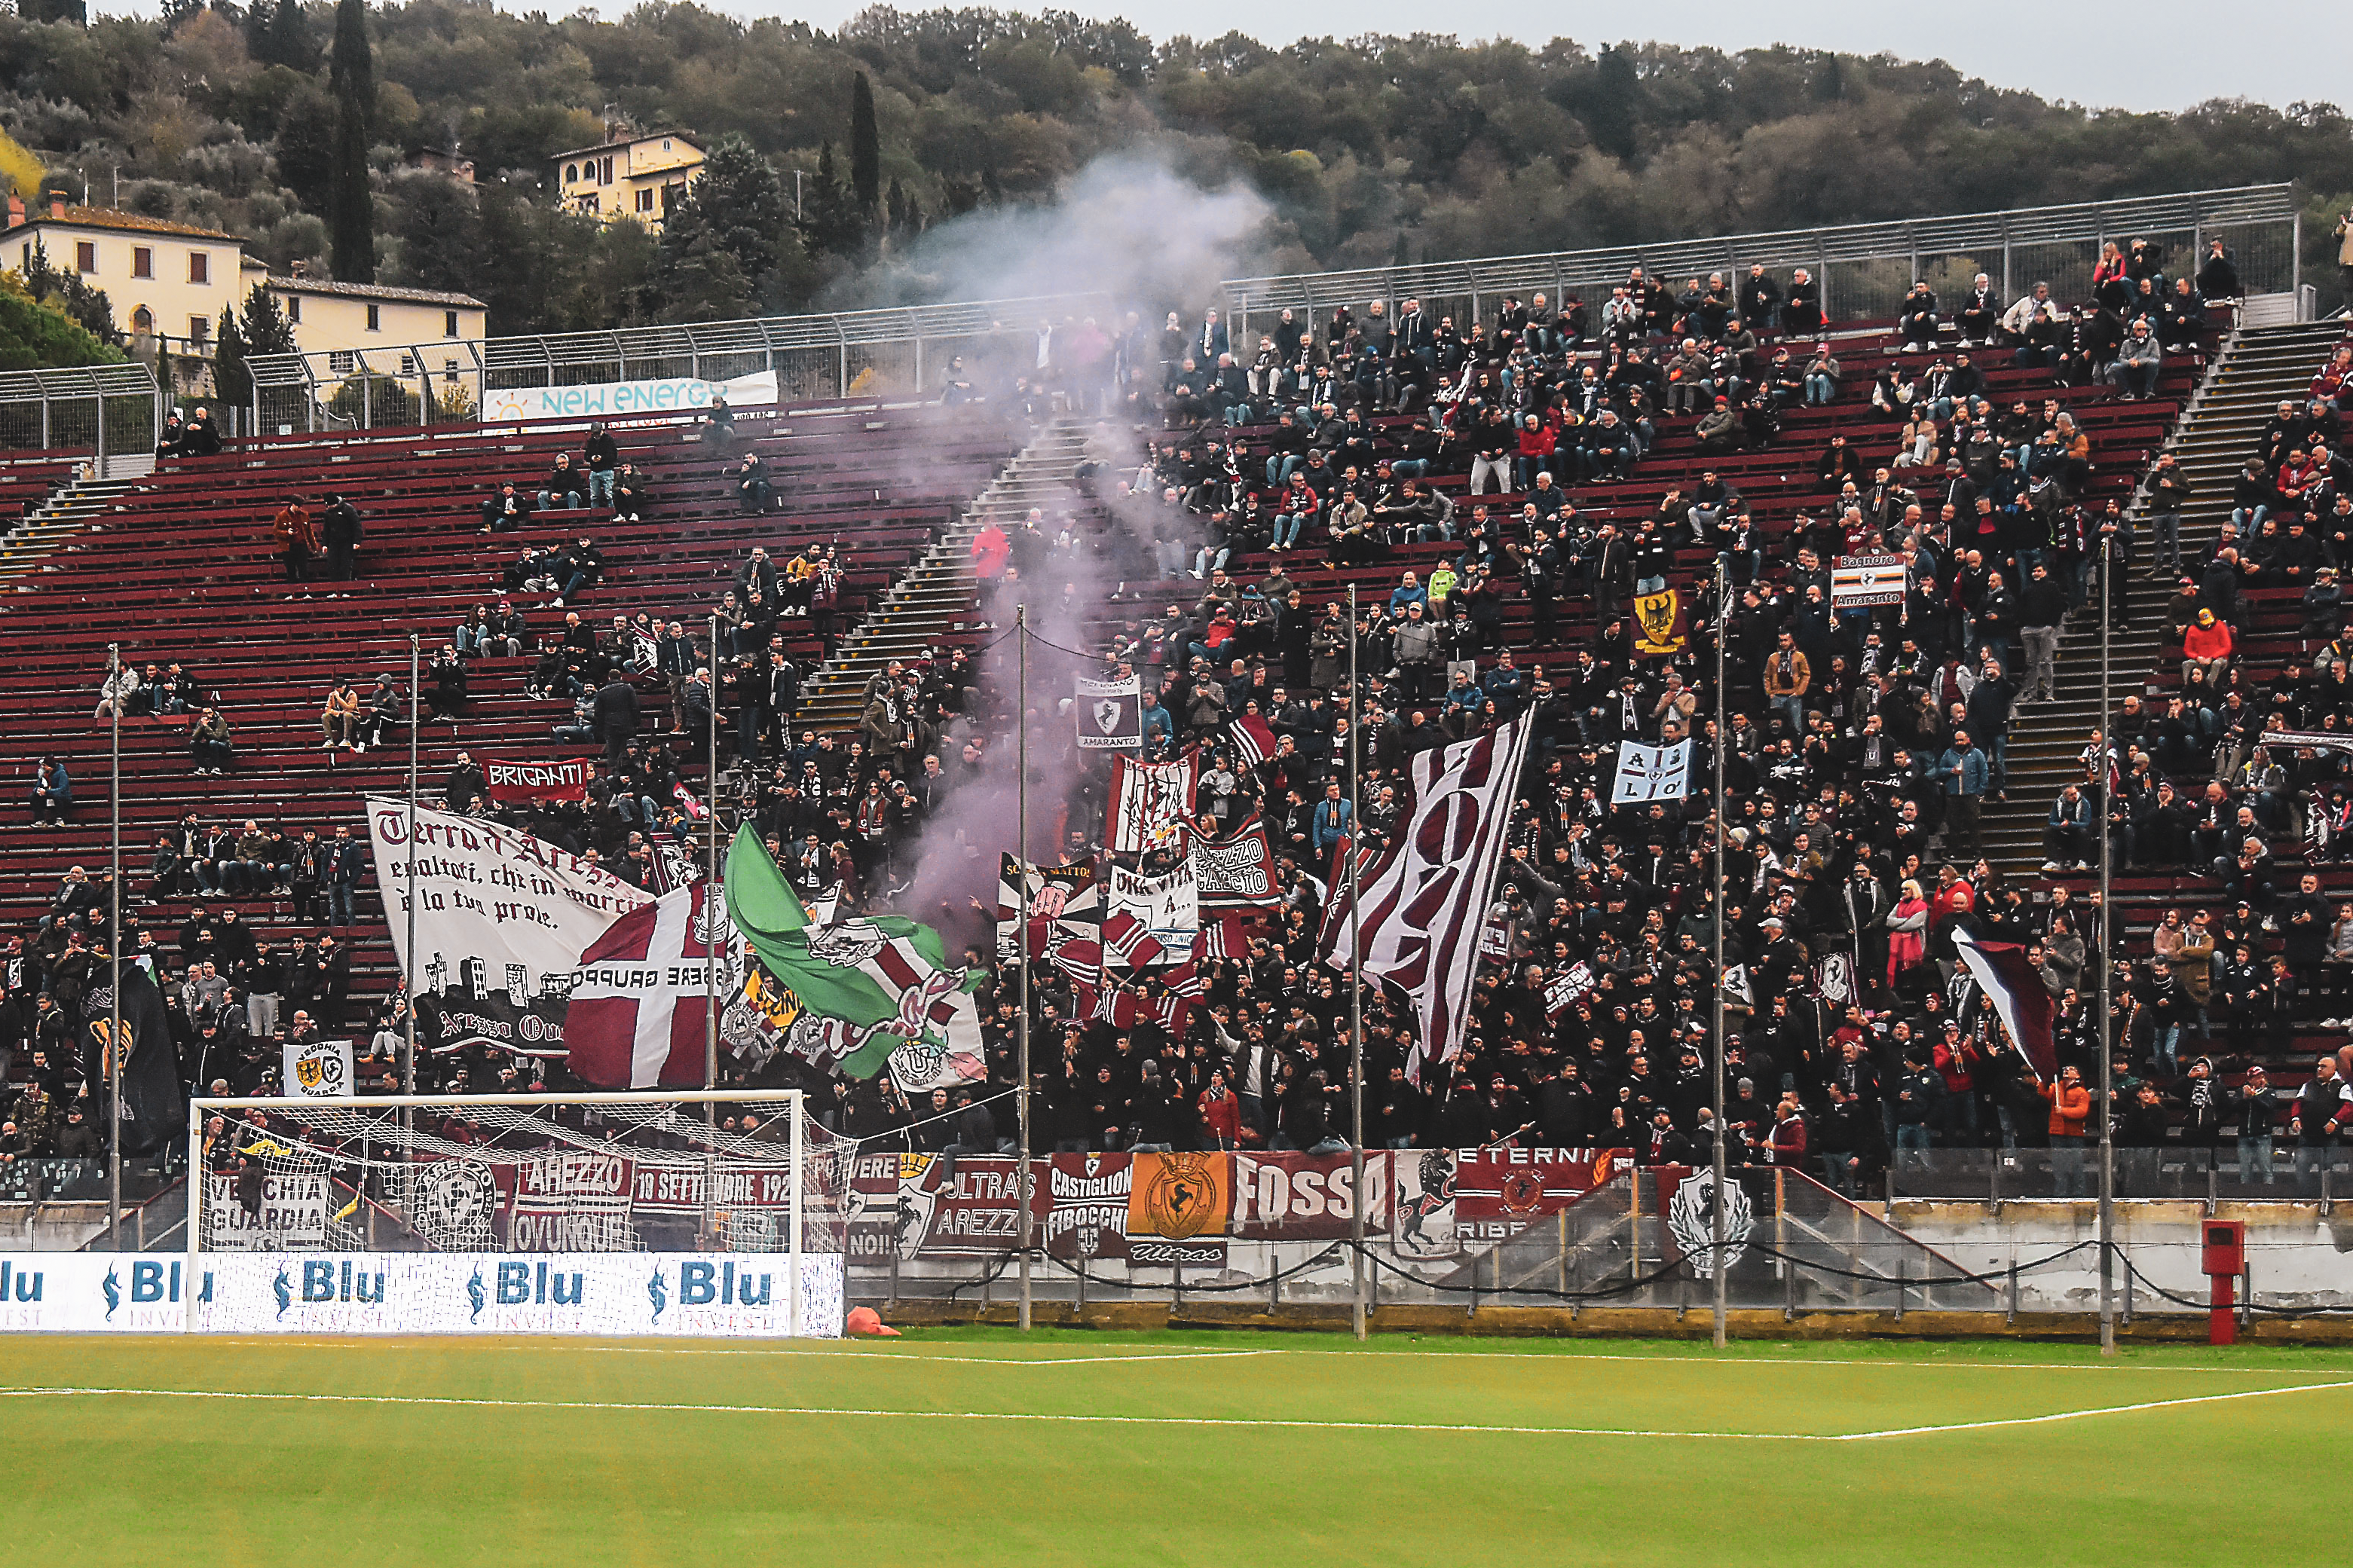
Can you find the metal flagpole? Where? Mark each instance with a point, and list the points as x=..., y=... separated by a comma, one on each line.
x=115, y=965
x=1723, y=577
x=711, y=890
x=2109, y=546
x=1356, y=978
x=709, y=966
x=408, y=970
x=1021, y=935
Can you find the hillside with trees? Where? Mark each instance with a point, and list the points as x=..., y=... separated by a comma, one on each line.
x=302, y=126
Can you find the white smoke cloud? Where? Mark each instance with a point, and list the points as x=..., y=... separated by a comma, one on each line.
x=1127, y=225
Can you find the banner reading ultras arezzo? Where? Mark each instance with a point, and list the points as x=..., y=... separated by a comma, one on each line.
x=502, y=920
x=1183, y=1211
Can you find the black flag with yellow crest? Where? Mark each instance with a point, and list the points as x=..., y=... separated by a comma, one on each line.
x=153, y=1111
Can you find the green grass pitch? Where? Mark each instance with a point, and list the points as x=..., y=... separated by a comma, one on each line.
x=984, y=1447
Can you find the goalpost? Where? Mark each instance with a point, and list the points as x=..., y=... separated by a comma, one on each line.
x=693, y=1212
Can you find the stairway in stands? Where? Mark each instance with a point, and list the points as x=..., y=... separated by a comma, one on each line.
x=2253, y=371
x=79, y=507
x=182, y=569
x=939, y=592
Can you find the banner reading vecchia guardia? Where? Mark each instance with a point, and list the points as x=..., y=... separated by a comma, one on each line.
x=502, y=920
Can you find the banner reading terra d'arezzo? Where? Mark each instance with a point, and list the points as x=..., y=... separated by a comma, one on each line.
x=502, y=920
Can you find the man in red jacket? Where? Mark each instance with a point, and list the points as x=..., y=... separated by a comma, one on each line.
x=2206, y=645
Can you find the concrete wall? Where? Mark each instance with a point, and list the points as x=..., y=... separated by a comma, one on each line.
x=2299, y=1257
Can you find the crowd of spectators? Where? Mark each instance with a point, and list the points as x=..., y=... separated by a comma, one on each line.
x=1858, y=746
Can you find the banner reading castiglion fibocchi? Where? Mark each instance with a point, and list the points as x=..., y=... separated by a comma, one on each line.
x=502, y=920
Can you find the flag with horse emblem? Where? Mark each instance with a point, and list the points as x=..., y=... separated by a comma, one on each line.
x=1660, y=617
x=1179, y=1196
x=1111, y=714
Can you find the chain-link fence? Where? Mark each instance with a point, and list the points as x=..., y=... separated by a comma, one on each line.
x=106, y=411
x=900, y=353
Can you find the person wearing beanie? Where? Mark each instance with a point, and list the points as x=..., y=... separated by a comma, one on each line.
x=2206, y=647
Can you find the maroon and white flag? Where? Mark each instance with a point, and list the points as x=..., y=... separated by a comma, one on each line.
x=516, y=778
x=1150, y=802
x=1236, y=872
x=1424, y=902
x=2020, y=998
x=1253, y=739
x=637, y=1009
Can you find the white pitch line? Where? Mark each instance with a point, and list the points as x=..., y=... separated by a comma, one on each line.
x=1463, y=1428
x=2082, y=1415
x=921, y=1352
x=1763, y=1361
x=1074, y=1418
x=914, y=1354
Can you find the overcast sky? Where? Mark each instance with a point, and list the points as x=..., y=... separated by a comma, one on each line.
x=2152, y=54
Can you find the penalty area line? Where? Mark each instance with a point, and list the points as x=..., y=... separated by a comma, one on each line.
x=915, y=1353
x=1468, y=1429
x=1051, y=1419
x=2057, y=1416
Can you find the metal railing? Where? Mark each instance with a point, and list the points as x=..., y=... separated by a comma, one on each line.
x=101, y=409
x=1864, y=269
x=897, y=353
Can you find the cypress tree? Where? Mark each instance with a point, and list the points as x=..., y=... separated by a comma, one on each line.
x=285, y=37
x=1613, y=102
x=232, y=383
x=351, y=204
x=865, y=150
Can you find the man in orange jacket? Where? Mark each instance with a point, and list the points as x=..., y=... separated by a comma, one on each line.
x=2071, y=1107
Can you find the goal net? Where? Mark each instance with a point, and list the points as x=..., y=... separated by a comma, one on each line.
x=518, y=1212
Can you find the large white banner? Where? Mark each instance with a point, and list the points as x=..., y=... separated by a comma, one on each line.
x=670, y=1294
x=290, y=1211
x=624, y=399
x=91, y=1293
x=502, y=920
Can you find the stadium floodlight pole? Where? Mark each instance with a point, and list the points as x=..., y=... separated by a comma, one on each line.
x=114, y=959
x=1355, y=984
x=1723, y=585
x=1021, y=940
x=409, y=970
x=2108, y=550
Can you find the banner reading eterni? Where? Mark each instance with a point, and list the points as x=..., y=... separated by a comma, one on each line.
x=502, y=920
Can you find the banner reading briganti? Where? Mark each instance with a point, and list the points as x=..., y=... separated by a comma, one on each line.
x=553, y=780
x=502, y=920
